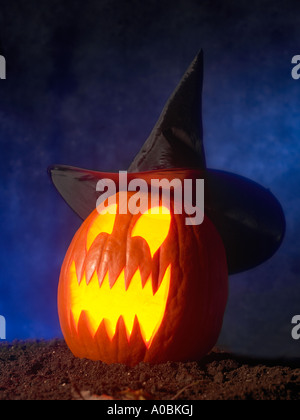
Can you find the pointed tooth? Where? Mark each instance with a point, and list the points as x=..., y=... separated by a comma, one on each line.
x=101, y=272
x=72, y=323
x=94, y=255
x=137, y=331
x=138, y=256
x=79, y=254
x=79, y=258
x=90, y=270
x=145, y=272
x=102, y=332
x=162, y=271
x=129, y=272
x=110, y=329
x=121, y=330
x=113, y=276
x=114, y=257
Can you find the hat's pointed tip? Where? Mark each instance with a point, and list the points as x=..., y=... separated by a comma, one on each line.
x=199, y=57
x=196, y=65
x=193, y=75
x=177, y=139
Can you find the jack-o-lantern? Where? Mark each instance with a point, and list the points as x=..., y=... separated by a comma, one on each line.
x=148, y=286
x=142, y=287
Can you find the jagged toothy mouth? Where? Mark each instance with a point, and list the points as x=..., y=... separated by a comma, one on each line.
x=106, y=304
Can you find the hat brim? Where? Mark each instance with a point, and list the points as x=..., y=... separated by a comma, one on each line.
x=249, y=218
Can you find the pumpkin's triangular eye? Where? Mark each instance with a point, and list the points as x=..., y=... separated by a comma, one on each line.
x=153, y=226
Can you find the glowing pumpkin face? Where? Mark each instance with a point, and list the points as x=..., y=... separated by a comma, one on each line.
x=142, y=287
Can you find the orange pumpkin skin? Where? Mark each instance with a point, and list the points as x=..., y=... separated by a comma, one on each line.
x=195, y=303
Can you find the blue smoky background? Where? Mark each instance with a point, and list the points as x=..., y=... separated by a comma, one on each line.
x=86, y=82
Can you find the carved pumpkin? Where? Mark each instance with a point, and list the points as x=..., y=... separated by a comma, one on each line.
x=143, y=287
x=148, y=287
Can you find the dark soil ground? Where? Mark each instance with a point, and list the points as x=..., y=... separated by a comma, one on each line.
x=46, y=370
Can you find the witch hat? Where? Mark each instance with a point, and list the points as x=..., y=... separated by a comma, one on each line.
x=248, y=217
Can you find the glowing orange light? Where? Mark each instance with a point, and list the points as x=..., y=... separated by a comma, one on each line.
x=108, y=304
